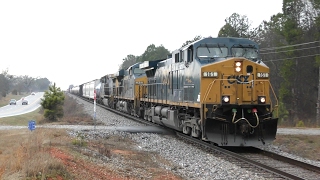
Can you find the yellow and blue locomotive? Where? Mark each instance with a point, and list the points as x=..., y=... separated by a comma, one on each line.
x=216, y=89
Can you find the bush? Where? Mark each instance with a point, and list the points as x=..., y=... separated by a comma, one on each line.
x=300, y=124
x=3, y=94
x=79, y=141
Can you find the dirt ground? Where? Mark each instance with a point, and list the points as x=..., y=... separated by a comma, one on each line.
x=92, y=161
x=52, y=154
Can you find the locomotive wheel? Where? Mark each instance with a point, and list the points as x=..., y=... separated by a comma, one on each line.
x=186, y=130
x=195, y=132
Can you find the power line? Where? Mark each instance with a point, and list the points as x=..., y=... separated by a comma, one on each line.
x=291, y=50
x=291, y=58
x=281, y=47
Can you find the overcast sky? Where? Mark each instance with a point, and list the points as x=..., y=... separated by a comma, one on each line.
x=75, y=41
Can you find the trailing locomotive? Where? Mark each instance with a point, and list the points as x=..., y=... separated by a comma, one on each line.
x=216, y=89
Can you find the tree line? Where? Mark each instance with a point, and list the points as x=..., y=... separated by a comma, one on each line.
x=20, y=84
x=289, y=45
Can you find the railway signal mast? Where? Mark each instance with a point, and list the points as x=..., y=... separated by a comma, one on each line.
x=94, y=108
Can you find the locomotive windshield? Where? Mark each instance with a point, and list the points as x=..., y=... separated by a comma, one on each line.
x=246, y=52
x=212, y=52
x=138, y=71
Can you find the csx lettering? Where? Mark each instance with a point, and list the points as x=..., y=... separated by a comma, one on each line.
x=240, y=79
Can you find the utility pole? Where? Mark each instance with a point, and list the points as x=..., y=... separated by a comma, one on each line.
x=94, y=108
x=318, y=101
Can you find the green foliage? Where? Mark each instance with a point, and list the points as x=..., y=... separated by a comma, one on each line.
x=41, y=84
x=128, y=61
x=285, y=89
x=283, y=113
x=228, y=31
x=153, y=53
x=300, y=124
x=286, y=73
x=80, y=140
x=4, y=83
x=14, y=92
x=52, y=103
x=317, y=61
x=150, y=54
x=236, y=26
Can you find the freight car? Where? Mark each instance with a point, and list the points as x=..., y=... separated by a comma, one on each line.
x=216, y=89
x=88, y=89
x=75, y=90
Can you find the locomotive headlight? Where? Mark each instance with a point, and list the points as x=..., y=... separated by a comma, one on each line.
x=205, y=74
x=262, y=75
x=238, y=65
x=262, y=99
x=225, y=99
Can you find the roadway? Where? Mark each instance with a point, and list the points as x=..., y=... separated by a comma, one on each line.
x=19, y=109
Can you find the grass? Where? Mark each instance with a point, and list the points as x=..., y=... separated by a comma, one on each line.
x=5, y=100
x=22, y=120
x=26, y=155
x=301, y=145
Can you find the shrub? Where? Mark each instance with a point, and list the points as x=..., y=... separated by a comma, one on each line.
x=53, y=103
x=300, y=124
x=79, y=141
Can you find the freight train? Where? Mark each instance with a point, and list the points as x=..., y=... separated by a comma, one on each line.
x=214, y=89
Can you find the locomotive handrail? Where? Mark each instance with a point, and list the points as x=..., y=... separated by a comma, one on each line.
x=274, y=94
x=207, y=92
x=156, y=87
x=150, y=84
x=277, y=102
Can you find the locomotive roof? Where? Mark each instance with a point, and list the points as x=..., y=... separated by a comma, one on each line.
x=150, y=64
x=228, y=41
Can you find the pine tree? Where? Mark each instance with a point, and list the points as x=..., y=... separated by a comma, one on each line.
x=52, y=103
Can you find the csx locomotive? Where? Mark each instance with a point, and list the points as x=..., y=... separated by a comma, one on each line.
x=216, y=89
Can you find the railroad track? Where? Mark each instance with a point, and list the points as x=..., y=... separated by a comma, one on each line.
x=266, y=164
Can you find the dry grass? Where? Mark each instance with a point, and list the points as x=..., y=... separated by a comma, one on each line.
x=22, y=120
x=26, y=155
x=5, y=100
x=301, y=145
